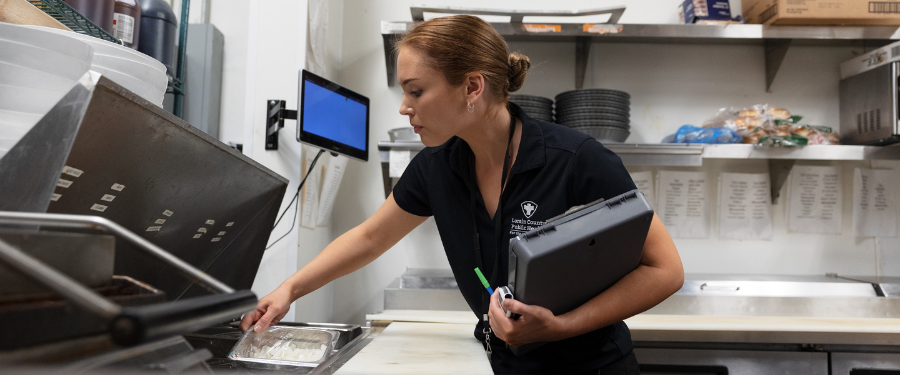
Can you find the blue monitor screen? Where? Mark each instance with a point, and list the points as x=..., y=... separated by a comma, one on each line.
x=334, y=116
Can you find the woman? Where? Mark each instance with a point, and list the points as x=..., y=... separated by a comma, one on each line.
x=488, y=165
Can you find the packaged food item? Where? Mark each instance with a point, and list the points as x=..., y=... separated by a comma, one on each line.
x=762, y=124
x=284, y=347
x=693, y=134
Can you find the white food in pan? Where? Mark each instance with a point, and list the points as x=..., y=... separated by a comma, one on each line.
x=290, y=352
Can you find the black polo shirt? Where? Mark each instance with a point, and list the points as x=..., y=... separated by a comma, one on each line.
x=556, y=168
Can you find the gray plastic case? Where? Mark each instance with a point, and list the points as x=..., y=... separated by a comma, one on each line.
x=576, y=256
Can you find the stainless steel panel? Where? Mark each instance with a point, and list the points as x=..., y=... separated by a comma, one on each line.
x=739, y=362
x=868, y=103
x=173, y=185
x=819, y=307
x=842, y=363
x=396, y=298
x=776, y=289
x=428, y=278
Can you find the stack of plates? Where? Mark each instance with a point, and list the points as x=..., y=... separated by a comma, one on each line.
x=135, y=71
x=536, y=107
x=37, y=69
x=602, y=114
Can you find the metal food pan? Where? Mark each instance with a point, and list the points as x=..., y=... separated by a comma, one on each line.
x=250, y=351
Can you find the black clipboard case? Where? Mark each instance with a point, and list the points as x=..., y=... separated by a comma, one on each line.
x=578, y=255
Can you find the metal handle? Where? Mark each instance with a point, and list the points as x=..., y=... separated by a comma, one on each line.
x=141, y=324
x=721, y=288
x=97, y=222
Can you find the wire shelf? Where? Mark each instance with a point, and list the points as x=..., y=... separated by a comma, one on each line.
x=69, y=17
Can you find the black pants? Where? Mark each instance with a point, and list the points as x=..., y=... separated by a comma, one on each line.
x=628, y=365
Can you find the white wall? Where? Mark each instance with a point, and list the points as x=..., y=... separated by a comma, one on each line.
x=670, y=85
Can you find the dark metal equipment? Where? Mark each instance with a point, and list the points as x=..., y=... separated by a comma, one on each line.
x=174, y=198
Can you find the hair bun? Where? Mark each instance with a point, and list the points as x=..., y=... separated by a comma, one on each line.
x=518, y=68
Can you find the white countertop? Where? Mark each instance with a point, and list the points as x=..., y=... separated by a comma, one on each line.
x=421, y=348
x=705, y=328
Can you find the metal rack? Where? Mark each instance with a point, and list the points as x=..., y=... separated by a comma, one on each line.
x=69, y=17
x=775, y=39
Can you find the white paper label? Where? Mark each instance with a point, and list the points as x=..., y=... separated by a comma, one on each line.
x=816, y=200
x=167, y=213
x=745, y=206
x=198, y=235
x=74, y=172
x=63, y=183
x=399, y=160
x=118, y=187
x=330, y=185
x=392, y=27
x=98, y=207
x=55, y=197
x=216, y=239
x=107, y=197
x=221, y=233
x=874, y=203
x=202, y=230
x=683, y=203
x=123, y=27
x=210, y=222
x=644, y=182
x=154, y=229
x=230, y=223
x=160, y=221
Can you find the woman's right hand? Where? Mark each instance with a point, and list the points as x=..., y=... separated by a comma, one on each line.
x=270, y=310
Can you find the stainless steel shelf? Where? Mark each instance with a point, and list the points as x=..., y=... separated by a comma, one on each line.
x=781, y=159
x=776, y=39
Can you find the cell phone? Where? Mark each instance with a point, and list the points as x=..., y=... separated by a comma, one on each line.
x=505, y=293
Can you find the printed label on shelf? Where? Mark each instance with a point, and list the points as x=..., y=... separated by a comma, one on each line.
x=123, y=27
x=198, y=235
x=74, y=172
x=154, y=229
x=217, y=239
x=118, y=187
x=601, y=28
x=230, y=223
x=167, y=213
x=391, y=27
x=222, y=233
x=539, y=28
x=107, y=197
x=160, y=221
x=98, y=207
x=210, y=222
x=202, y=230
x=63, y=183
x=55, y=197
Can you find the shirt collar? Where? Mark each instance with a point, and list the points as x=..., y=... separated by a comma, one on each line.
x=532, y=153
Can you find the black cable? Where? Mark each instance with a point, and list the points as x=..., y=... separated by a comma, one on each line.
x=296, y=208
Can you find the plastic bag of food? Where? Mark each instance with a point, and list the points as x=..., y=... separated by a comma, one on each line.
x=693, y=134
x=818, y=135
x=783, y=141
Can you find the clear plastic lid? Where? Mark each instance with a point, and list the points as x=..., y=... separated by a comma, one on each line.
x=296, y=346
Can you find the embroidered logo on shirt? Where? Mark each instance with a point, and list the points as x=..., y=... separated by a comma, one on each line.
x=528, y=208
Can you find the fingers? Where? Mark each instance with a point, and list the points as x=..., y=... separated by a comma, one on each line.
x=272, y=316
x=249, y=319
x=515, y=306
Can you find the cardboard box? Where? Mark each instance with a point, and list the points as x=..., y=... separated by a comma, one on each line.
x=822, y=12
x=707, y=11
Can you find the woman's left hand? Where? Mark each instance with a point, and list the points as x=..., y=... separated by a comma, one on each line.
x=535, y=325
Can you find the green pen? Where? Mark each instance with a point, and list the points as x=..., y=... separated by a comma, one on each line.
x=484, y=281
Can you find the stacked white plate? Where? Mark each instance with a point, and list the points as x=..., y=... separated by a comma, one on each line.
x=37, y=68
x=142, y=74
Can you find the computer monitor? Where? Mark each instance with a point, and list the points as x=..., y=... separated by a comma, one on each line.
x=332, y=117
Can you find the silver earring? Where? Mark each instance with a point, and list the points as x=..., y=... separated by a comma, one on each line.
x=470, y=107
